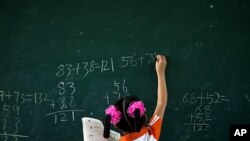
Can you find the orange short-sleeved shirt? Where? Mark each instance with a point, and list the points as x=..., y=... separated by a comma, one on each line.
x=150, y=133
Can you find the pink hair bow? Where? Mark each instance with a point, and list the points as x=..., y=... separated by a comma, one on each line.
x=136, y=105
x=114, y=113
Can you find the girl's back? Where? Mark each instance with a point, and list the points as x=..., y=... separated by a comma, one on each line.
x=129, y=113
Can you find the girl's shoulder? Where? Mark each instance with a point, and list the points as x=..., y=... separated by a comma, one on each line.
x=155, y=124
x=154, y=119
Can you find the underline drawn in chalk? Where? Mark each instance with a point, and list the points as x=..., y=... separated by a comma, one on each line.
x=64, y=111
x=14, y=135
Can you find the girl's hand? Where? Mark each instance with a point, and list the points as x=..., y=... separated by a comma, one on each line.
x=160, y=64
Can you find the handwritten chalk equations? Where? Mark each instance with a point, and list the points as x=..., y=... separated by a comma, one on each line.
x=11, y=103
x=201, y=117
x=66, y=95
x=21, y=98
x=120, y=88
x=65, y=109
x=65, y=102
x=104, y=65
x=61, y=105
x=86, y=57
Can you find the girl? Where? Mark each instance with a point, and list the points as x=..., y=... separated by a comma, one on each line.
x=129, y=113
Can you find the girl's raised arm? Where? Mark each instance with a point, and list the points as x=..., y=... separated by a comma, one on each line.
x=162, y=94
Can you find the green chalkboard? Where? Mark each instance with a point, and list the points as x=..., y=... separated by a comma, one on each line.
x=63, y=60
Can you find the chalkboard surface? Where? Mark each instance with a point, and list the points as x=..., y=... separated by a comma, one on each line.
x=63, y=60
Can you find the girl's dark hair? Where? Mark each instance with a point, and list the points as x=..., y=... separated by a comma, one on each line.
x=127, y=123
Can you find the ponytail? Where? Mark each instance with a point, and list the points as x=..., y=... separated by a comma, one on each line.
x=136, y=120
x=113, y=115
x=106, y=131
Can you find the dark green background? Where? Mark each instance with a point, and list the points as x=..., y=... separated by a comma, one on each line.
x=206, y=42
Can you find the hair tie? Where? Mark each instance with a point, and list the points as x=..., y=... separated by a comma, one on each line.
x=114, y=113
x=136, y=105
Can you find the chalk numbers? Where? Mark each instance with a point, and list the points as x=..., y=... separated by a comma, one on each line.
x=10, y=107
x=65, y=102
x=85, y=67
x=208, y=98
x=120, y=88
x=135, y=60
x=66, y=90
x=10, y=112
x=201, y=117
